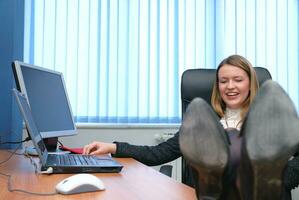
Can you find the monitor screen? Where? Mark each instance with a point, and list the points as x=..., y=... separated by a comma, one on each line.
x=47, y=97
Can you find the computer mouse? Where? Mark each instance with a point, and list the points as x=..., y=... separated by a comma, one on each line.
x=79, y=183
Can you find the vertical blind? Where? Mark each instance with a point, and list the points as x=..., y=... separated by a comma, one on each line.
x=122, y=59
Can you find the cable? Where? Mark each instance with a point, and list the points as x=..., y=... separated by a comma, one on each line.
x=60, y=142
x=48, y=171
x=9, y=157
x=16, y=153
x=16, y=142
x=10, y=189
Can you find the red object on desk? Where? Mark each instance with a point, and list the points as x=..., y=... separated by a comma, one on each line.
x=72, y=150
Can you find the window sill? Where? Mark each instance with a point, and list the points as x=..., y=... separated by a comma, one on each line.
x=125, y=126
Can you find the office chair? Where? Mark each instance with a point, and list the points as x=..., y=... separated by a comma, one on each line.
x=199, y=83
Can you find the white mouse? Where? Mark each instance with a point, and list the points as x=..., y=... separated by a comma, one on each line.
x=79, y=183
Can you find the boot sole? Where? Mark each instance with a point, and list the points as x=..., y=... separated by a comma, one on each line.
x=204, y=145
x=269, y=145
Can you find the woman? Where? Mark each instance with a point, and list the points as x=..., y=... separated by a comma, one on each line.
x=268, y=137
x=234, y=90
x=233, y=93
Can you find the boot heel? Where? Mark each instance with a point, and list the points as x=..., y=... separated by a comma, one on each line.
x=268, y=178
x=210, y=187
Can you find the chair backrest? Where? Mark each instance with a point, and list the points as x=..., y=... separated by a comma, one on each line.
x=199, y=83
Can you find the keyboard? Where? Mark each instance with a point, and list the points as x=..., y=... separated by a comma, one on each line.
x=73, y=159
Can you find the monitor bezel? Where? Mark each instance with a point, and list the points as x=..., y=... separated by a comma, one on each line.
x=17, y=65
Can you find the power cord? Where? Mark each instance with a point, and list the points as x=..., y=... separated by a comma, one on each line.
x=17, y=142
x=14, y=152
x=48, y=171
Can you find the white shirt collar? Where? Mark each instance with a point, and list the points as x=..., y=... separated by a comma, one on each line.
x=231, y=119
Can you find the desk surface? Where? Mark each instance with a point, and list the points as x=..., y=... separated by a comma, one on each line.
x=135, y=181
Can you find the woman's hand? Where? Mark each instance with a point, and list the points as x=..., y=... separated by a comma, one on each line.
x=98, y=148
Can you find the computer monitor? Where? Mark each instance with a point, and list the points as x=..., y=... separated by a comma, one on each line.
x=46, y=93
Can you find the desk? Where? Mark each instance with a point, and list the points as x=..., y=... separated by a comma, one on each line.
x=135, y=181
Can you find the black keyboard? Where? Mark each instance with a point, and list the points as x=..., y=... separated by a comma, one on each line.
x=74, y=159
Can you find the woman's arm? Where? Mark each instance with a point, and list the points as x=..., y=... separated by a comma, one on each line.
x=151, y=155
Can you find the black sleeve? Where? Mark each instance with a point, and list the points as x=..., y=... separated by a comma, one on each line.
x=151, y=155
x=291, y=175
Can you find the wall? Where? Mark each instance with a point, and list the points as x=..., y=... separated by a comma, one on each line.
x=11, y=40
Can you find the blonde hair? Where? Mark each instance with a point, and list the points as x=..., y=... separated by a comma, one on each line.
x=238, y=61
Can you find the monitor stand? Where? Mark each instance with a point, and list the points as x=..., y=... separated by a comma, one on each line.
x=51, y=145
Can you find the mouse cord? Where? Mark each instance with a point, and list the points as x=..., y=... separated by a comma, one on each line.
x=10, y=189
x=9, y=176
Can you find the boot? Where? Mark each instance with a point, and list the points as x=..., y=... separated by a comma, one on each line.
x=270, y=137
x=204, y=145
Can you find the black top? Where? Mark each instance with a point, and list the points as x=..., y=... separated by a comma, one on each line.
x=151, y=155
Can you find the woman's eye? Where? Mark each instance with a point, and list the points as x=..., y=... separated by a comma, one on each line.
x=222, y=81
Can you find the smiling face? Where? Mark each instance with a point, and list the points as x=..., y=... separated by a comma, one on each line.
x=233, y=86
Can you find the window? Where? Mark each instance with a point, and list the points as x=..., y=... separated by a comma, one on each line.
x=122, y=59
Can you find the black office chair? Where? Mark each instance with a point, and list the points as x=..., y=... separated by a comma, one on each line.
x=199, y=83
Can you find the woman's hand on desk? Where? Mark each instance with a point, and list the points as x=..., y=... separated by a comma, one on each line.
x=99, y=148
